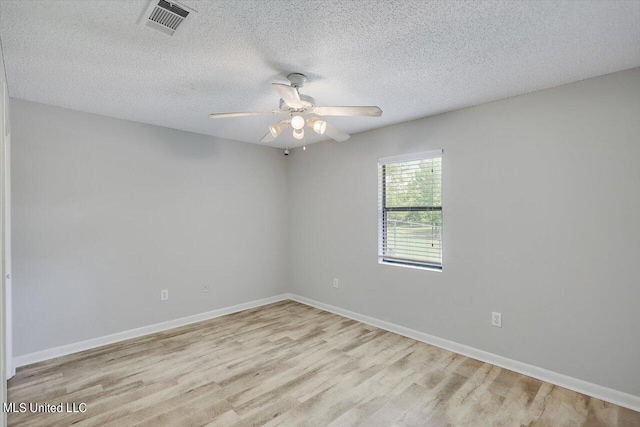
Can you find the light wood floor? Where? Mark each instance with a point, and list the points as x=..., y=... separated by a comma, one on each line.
x=289, y=364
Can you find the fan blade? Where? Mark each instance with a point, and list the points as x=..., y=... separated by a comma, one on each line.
x=371, y=111
x=289, y=95
x=275, y=130
x=335, y=133
x=243, y=114
x=268, y=137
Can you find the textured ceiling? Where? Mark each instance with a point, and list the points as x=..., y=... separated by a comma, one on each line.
x=412, y=58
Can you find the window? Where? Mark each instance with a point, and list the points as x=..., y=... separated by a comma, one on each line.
x=410, y=210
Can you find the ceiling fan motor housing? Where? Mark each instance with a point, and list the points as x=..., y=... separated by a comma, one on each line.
x=297, y=79
x=307, y=103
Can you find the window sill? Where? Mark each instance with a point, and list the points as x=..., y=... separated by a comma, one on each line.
x=415, y=267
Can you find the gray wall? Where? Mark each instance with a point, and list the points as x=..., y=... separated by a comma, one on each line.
x=541, y=216
x=107, y=212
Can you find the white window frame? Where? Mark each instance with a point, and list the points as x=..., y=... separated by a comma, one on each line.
x=400, y=159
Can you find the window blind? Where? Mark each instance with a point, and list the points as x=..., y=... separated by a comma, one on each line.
x=410, y=209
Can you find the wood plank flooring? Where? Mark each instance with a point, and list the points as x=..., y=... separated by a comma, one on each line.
x=287, y=364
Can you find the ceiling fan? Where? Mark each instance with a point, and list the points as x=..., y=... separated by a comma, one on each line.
x=303, y=112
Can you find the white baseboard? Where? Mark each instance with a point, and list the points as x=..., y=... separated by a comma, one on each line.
x=594, y=390
x=64, y=350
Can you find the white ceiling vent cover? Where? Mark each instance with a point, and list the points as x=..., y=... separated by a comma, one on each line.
x=165, y=16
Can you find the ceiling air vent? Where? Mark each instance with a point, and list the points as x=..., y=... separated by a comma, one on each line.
x=165, y=16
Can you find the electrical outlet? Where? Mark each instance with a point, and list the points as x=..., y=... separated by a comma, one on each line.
x=205, y=288
x=164, y=295
x=336, y=283
x=496, y=319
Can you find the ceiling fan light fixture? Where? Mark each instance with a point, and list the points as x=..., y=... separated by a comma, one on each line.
x=319, y=126
x=298, y=133
x=297, y=122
